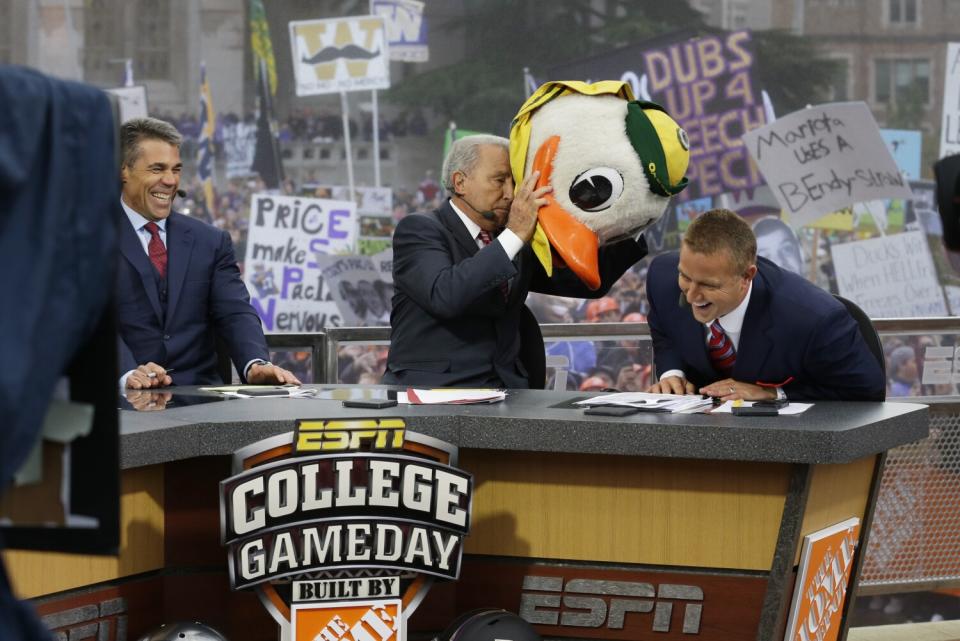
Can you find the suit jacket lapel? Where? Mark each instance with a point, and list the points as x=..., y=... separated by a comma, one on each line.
x=697, y=350
x=755, y=341
x=132, y=251
x=179, y=250
x=452, y=222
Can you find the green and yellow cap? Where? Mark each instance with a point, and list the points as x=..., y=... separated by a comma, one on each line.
x=661, y=144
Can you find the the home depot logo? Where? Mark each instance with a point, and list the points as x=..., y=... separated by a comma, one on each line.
x=366, y=621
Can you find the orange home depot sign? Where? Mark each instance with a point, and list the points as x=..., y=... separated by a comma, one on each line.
x=822, y=579
x=341, y=526
x=367, y=621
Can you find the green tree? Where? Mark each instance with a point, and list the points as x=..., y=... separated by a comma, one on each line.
x=484, y=88
x=791, y=70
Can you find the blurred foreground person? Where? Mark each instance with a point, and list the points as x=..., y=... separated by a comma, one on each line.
x=57, y=247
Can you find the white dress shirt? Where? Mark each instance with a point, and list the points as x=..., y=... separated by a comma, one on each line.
x=510, y=242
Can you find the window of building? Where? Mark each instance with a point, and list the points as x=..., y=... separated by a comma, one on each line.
x=102, y=48
x=5, y=53
x=898, y=81
x=736, y=16
x=903, y=12
x=839, y=90
x=152, y=54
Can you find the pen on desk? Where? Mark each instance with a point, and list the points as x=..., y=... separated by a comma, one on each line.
x=154, y=374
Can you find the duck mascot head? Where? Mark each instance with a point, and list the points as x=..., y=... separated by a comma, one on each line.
x=613, y=163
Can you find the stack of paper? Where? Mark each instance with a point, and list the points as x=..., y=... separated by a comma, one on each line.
x=648, y=402
x=450, y=396
x=263, y=391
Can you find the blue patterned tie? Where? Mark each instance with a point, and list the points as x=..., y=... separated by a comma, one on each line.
x=721, y=351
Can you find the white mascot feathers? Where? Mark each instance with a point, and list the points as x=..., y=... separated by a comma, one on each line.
x=613, y=163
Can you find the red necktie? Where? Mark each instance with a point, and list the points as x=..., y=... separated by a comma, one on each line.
x=156, y=249
x=486, y=239
x=720, y=347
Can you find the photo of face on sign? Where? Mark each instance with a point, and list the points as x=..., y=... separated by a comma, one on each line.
x=369, y=302
x=778, y=243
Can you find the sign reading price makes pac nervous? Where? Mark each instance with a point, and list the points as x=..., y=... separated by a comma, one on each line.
x=286, y=285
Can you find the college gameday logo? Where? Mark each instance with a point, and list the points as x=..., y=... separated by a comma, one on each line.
x=342, y=525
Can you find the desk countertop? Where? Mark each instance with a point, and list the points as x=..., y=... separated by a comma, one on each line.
x=530, y=420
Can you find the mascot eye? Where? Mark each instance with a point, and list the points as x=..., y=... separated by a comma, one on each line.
x=596, y=189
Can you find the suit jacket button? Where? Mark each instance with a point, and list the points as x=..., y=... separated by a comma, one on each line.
x=166, y=337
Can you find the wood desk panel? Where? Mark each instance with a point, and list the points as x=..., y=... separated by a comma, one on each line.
x=626, y=509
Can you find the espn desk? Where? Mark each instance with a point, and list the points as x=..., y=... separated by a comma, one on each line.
x=651, y=526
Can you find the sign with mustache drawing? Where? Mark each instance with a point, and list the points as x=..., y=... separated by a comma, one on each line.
x=339, y=54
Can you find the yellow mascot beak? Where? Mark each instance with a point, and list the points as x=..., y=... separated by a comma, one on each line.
x=575, y=243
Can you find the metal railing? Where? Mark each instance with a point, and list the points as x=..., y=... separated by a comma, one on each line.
x=915, y=536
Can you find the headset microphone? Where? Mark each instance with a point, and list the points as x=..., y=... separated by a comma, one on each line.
x=488, y=215
x=181, y=193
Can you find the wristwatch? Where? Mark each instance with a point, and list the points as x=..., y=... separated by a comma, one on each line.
x=261, y=363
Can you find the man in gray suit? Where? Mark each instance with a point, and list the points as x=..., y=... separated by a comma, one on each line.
x=462, y=272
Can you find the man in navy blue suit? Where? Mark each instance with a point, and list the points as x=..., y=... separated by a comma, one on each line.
x=178, y=281
x=458, y=302
x=731, y=325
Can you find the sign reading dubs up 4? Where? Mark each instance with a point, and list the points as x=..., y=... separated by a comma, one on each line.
x=342, y=526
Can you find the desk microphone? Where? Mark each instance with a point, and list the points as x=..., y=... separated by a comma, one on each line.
x=488, y=214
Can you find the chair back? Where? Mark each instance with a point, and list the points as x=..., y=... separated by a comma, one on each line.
x=532, y=353
x=867, y=330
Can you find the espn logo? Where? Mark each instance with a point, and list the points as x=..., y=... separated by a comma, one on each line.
x=338, y=436
x=607, y=602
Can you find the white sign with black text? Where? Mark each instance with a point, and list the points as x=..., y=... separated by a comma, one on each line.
x=890, y=277
x=825, y=158
x=950, y=129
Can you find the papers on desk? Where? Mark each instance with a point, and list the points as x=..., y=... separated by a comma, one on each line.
x=647, y=402
x=450, y=396
x=787, y=410
x=262, y=391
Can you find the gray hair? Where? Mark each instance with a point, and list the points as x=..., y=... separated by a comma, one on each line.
x=900, y=357
x=135, y=130
x=464, y=154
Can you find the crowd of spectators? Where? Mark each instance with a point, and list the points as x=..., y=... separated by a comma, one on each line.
x=304, y=125
x=906, y=357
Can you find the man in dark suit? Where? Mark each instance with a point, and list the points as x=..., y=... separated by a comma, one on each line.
x=462, y=272
x=731, y=325
x=178, y=280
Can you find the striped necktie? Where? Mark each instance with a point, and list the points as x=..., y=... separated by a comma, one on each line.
x=721, y=350
x=486, y=239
